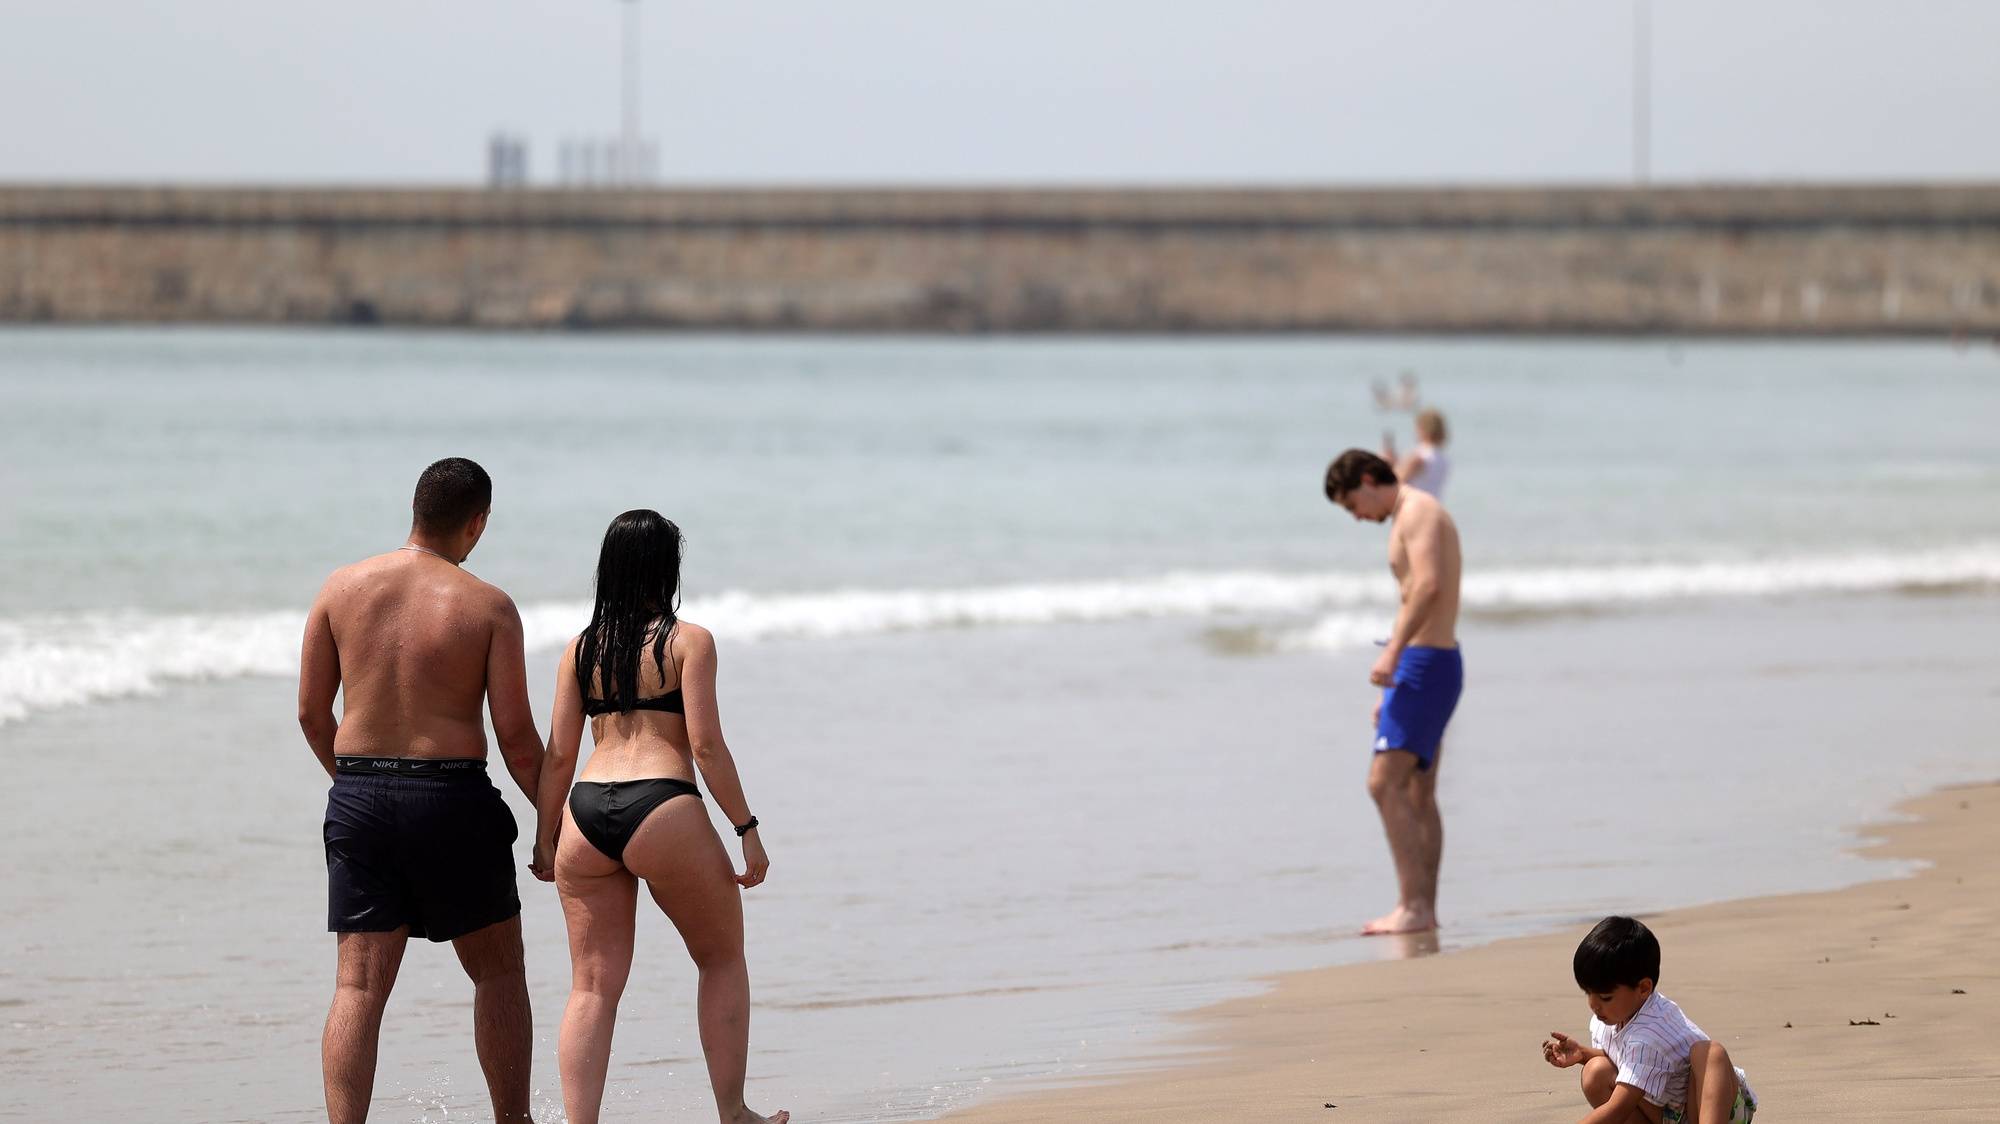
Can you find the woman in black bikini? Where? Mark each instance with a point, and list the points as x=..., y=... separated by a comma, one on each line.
x=647, y=683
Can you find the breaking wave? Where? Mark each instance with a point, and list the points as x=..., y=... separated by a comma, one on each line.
x=59, y=660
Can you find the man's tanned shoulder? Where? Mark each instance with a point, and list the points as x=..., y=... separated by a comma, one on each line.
x=354, y=573
x=1423, y=513
x=496, y=601
x=1419, y=504
x=486, y=604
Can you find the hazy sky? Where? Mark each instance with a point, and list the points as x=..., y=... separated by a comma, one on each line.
x=1008, y=91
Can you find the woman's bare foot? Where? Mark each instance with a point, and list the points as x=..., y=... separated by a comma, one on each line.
x=745, y=1116
x=1402, y=919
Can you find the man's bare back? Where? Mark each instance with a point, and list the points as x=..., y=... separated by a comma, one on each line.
x=413, y=641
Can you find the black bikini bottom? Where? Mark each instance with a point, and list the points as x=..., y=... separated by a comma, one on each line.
x=608, y=812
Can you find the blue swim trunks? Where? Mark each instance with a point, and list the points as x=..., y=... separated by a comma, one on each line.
x=1416, y=708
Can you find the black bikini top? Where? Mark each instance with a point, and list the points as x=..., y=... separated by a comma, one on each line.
x=670, y=703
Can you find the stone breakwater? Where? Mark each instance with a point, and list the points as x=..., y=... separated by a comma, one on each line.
x=1796, y=260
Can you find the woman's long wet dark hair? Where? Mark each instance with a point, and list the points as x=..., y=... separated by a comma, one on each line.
x=638, y=595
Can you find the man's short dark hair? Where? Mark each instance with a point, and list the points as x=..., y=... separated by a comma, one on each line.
x=449, y=494
x=1620, y=950
x=1353, y=468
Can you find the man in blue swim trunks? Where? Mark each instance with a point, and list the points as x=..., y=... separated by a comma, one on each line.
x=1420, y=671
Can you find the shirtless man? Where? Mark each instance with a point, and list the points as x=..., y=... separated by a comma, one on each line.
x=418, y=841
x=1419, y=670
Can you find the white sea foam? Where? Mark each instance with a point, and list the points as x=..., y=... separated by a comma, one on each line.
x=1565, y=588
x=55, y=661
x=64, y=660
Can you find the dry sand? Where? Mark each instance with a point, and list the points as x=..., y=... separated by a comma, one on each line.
x=1878, y=1002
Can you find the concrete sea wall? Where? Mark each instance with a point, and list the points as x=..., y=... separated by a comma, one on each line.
x=1804, y=259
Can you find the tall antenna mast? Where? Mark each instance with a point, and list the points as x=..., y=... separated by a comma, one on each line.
x=1642, y=91
x=631, y=159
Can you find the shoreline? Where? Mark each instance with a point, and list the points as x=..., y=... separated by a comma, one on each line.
x=1868, y=1002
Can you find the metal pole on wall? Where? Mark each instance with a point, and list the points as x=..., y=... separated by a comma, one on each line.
x=1642, y=91
x=628, y=144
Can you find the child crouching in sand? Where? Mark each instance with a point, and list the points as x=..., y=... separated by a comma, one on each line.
x=1646, y=1063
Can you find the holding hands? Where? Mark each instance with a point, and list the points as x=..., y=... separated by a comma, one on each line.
x=543, y=864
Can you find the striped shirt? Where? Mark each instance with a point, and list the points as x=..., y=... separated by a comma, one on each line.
x=1651, y=1051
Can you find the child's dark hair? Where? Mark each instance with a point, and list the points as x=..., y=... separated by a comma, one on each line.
x=1618, y=951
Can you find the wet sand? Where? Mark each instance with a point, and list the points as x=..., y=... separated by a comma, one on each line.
x=1876, y=1002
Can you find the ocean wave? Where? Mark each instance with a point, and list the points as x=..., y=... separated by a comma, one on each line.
x=53, y=661
x=1561, y=589
x=60, y=660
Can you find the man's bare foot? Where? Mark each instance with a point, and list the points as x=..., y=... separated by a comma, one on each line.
x=745, y=1116
x=1402, y=919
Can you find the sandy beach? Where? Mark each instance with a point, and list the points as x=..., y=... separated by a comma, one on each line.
x=1869, y=1003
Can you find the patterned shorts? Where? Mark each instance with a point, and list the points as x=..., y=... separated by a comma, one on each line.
x=1741, y=1114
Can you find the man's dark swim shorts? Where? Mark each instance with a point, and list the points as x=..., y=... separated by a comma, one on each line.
x=428, y=844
